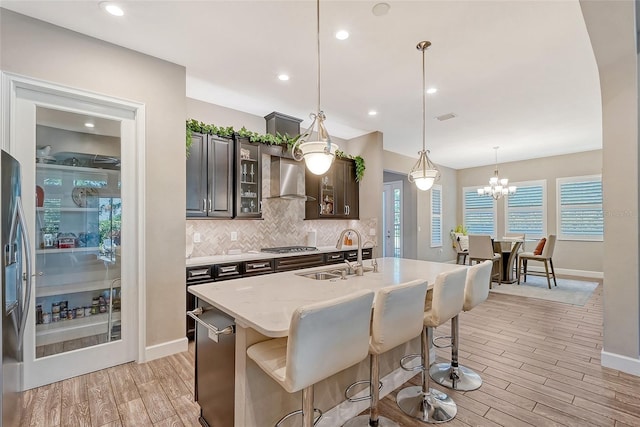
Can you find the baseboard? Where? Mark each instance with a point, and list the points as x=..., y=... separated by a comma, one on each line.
x=346, y=410
x=166, y=349
x=569, y=272
x=620, y=362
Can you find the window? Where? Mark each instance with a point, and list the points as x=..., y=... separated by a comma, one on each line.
x=525, y=211
x=580, y=215
x=436, y=216
x=479, y=213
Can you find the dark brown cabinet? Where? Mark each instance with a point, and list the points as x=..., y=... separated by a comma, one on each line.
x=248, y=179
x=210, y=177
x=337, y=192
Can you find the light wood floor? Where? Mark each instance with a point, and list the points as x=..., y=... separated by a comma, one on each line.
x=540, y=362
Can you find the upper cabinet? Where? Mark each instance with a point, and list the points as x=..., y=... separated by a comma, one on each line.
x=210, y=177
x=337, y=192
x=248, y=179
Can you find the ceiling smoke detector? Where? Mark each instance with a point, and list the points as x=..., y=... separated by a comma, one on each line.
x=381, y=9
x=447, y=116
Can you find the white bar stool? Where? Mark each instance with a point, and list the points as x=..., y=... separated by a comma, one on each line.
x=450, y=374
x=324, y=338
x=445, y=302
x=397, y=318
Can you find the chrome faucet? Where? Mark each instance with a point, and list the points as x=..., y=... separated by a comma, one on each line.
x=358, y=267
x=374, y=262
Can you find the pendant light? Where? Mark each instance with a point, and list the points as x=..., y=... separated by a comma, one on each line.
x=424, y=173
x=318, y=153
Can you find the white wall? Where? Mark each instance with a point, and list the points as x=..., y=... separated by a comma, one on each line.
x=39, y=50
x=612, y=30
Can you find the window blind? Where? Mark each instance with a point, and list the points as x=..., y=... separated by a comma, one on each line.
x=525, y=210
x=478, y=212
x=580, y=215
x=436, y=216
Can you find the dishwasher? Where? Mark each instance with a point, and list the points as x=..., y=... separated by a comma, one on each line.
x=215, y=365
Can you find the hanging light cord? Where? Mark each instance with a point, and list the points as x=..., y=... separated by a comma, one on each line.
x=318, y=45
x=424, y=108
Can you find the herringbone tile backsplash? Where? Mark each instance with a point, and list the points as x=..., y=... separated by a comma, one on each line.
x=283, y=224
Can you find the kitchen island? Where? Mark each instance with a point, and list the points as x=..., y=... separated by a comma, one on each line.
x=262, y=307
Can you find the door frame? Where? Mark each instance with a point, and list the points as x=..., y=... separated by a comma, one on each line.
x=72, y=99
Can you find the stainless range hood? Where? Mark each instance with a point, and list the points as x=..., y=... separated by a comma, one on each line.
x=284, y=179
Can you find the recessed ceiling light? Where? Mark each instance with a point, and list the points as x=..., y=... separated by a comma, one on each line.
x=432, y=90
x=373, y=113
x=112, y=8
x=283, y=77
x=381, y=9
x=342, y=35
x=89, y=125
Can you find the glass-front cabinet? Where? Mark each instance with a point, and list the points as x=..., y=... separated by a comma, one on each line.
x=78, y=224
x=248, y=179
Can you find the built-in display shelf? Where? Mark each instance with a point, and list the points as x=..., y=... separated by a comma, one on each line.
x=64, y=330
x=59, y=250
x=47, y=290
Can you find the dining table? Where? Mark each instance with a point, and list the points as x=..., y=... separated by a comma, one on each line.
x=509, y=248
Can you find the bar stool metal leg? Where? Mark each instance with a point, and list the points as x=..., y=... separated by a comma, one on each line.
x=373, y=419
x=422, y=402
x=452, y=375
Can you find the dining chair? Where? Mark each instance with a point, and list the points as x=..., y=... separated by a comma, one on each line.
x=462, y=246
x=544, y=257
x=481, y=249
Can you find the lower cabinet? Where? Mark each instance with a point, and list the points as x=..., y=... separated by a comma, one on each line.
x=236, y=270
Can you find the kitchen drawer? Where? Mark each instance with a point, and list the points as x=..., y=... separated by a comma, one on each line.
x=333, y=257
x=199, y=275
x=254, y=268
x=297, y=262
x=353, y=255
x=227, y=271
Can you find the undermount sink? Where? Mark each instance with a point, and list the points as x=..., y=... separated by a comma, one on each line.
x=320, y=275
x=332, y=273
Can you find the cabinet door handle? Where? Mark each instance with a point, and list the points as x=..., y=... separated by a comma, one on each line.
x=204, y=204
x=348, y=210
x=229, y=269
x=334, y=256
x=210, y=205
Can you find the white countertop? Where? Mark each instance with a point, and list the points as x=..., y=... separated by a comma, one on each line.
x=250, y=256
x=266, y=303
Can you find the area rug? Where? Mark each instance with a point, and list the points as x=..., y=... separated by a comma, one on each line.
x=575, y=292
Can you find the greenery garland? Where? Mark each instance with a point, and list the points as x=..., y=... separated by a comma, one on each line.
x=268, y=139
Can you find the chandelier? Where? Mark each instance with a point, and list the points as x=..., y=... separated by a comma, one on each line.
x=318, y=154
x=424, y=173
x=497, y=187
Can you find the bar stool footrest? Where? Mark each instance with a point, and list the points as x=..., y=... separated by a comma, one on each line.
x=410, y=357
x=299, y=412
x=359, y=399
x=435, y=341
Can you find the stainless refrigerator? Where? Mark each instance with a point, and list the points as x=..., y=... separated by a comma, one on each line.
x=16, y=288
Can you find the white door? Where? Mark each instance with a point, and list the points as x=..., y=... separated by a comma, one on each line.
x=79, y=195
x=392, y=219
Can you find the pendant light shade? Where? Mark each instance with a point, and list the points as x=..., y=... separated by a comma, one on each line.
x=318, y=154
x=424, y=173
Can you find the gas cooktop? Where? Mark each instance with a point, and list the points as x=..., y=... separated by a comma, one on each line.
x=288, y=249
